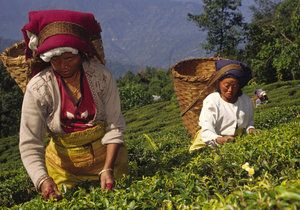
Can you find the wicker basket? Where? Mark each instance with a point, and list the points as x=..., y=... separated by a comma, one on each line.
x=191, y=80
x=13, y=59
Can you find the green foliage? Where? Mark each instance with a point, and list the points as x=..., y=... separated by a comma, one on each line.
x=281, y=94
x=134, y=95
x=206, y=179
x=224, y=25
x=9, y=150
x=265, y=119
x=164, y=175
x=10, y=104
x=273, y=41
x=16, y=187
x=283, y=106
x=138, y=89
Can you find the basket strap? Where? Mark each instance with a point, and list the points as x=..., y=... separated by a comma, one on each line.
x=217, y=75
x=194, y=102
x=61, y=27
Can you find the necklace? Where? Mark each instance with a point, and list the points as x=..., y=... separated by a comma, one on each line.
x=74, y=85
x=75, y=91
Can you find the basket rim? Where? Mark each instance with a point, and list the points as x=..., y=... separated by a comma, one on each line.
x=5, y=52
x=186, y=78
x=189, y=78
x=195, y=58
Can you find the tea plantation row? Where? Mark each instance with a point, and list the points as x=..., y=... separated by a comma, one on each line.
x=164, y=175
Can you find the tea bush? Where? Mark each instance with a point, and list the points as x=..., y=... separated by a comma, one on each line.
x=210, y=179
x=164, y=175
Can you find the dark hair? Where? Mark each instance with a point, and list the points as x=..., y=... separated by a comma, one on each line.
x=37, y=65
x=84, y=56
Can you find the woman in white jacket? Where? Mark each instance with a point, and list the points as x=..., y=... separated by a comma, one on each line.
x=227, y=112
x=74, y=100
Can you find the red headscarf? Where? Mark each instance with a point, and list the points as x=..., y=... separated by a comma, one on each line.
x=45, y=24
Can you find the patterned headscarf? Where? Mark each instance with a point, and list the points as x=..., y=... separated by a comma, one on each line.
x=236, y=69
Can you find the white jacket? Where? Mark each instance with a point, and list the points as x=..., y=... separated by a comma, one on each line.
x=220, y=118
x=41, y=112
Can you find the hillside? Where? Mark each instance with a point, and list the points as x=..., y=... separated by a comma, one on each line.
x=136, y=33
x=164, y=175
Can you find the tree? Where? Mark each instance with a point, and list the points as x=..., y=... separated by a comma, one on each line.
x=224, y=25
x=139, y=89
x=257, y=34
x=274, y=40
x=134, y=95
x=129, y=77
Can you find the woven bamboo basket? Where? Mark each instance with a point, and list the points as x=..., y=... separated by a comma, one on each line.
x=13, y=58
x=190, y=79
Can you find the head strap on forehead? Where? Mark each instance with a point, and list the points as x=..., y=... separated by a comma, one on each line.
x=62, y=27
x=229, y=67
x=218, y=74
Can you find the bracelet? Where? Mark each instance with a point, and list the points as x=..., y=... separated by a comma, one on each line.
x=41, y=180
x=104, y=170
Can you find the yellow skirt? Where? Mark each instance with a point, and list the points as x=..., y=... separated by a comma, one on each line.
x=77, y=157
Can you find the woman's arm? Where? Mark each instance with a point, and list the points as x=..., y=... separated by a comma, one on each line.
x=32, y=131
x=114, y=136
x=208, y=120
x=250, y=128
x=114, y=118
x=106, y=175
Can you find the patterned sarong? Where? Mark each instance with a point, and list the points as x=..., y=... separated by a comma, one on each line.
x=79, y=156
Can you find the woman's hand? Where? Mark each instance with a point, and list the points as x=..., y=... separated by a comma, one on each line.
x=49, y=190
x=224, y=139
x=107, y=180
x=107, y=175
x=252, y=131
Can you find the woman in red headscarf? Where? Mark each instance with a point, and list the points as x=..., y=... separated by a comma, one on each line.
x=74, y=99
x=227, y=112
